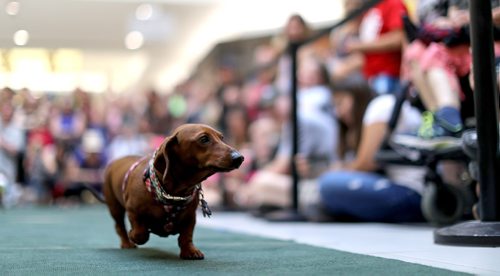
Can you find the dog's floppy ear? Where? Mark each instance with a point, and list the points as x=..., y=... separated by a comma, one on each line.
x=162, y=156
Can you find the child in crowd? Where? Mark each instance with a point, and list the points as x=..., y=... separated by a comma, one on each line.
x=380, y=41
x=437, y=61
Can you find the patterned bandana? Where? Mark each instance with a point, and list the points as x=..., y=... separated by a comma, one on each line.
x=154, y=186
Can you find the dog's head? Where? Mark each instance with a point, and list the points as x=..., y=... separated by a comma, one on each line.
x=195, y=151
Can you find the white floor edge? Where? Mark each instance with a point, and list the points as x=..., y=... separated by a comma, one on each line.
x=409, y=243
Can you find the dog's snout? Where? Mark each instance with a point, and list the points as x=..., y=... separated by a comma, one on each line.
x=237, y=158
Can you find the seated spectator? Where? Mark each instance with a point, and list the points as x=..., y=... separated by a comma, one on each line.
x=67, y=124
x=157, y=114
x=355, y=190
x=40, y=162
x=128, y=141
x=342, y=64
x=228, y=92
x=221, y=188
x=12, y=142
x=6, y=95
x=435, y=68
x=296, y=30
x=230, y=96
x=203, y=105
x=264, y=140
x=350, y=98
x=85, y=167
x=261, y=88
x=96, y=119
x=436, y=61
x=317, y=139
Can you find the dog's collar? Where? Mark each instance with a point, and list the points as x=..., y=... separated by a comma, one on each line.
x=154, y=186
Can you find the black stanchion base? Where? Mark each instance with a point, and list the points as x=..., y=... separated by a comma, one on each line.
x=469, y=233
x=287, y=215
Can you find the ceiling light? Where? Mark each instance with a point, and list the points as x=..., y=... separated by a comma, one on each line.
x=12, y=7
x=21, y=37
x=144, y=12
x=134, y=40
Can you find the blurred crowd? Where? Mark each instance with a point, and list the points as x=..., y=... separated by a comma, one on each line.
x=52, y=145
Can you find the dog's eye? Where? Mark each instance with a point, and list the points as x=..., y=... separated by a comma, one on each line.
x=204, y=139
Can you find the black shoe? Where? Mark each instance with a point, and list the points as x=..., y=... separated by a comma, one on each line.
x=317, y=213
x=263, y=210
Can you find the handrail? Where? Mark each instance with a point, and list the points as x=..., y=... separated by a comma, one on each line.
x=352, y=15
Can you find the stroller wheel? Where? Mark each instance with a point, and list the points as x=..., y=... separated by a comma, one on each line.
x=443, y=204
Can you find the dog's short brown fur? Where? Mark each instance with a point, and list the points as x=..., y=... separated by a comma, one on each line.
x=191, y=154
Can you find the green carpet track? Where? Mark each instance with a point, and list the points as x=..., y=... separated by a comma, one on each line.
x=82, y=241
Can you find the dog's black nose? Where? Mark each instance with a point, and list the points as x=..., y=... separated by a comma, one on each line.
x=237, y=158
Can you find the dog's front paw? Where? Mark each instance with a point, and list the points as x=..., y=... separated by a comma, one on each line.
x=192, y=253
x=128, y=245
x=138, y=236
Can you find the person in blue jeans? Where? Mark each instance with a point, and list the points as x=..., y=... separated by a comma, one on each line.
x=355, y=189
x=366, y=196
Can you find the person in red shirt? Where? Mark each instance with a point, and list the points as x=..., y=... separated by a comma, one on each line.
x=381, y=38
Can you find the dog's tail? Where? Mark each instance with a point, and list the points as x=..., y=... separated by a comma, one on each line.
x=98, y=195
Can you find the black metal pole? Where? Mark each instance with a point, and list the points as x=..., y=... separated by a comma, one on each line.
x=292, y=213
x=295, y=126
x=487, y=231
x=486, y=104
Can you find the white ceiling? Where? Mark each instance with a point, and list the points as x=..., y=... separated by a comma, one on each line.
x=174, y=42
x=92, y=24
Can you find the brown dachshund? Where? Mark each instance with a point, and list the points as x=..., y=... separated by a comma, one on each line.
x=161, y=193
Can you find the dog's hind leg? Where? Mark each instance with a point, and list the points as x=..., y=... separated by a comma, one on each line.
x=118, y=214
x=117, y=211
x=139, y=233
